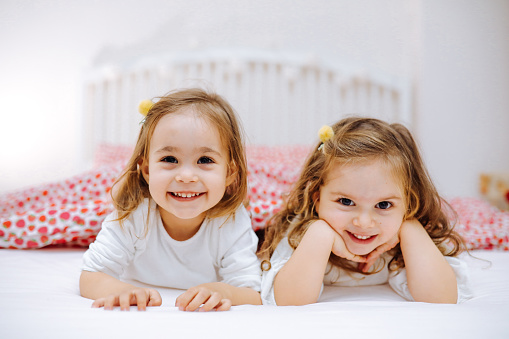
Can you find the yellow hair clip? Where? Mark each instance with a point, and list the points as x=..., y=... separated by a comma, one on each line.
x=325, y=133
x=145, y=106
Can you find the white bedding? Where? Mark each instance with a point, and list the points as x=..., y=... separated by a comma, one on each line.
x=39, y=298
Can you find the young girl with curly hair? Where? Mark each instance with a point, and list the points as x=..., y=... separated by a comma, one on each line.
x=363, y=212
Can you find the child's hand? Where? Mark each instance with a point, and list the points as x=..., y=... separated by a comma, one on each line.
x=377, y=252
x=339, y=248
x=142, y=297
x=202, y=298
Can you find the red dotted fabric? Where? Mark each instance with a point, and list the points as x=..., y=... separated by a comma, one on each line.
x=271, y=173
x=482, y=225
x=71, y=211
x=67, y=212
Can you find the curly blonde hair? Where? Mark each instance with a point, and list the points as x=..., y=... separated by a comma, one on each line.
x=358, y=139
x=131, y=188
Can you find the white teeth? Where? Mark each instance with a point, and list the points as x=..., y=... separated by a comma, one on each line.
x=186, y=195
x=362, y=237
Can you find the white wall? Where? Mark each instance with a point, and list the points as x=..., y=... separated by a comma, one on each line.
x=464, y=91
x=47, y=45
x=44, y=48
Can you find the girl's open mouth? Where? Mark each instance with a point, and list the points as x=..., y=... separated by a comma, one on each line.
x=186, y=196
x=361, y=239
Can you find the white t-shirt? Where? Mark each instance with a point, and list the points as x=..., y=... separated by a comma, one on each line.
x=219, y=252
x=339, y=277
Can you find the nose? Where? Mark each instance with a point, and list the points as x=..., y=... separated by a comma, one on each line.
x=364, y=219
x=186, y=175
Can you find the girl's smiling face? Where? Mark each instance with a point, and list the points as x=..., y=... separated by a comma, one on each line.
x=363, y=202
x=187, y=171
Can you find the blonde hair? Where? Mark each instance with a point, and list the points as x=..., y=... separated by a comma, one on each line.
x=360, y=139
x=131, y=188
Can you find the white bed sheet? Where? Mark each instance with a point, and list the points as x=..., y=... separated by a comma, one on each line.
x=39, y=298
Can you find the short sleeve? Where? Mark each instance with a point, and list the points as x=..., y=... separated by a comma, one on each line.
x=398, y=280
x=112, y=250
x=239, y=266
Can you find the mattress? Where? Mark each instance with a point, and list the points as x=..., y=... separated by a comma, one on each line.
x=39, y=298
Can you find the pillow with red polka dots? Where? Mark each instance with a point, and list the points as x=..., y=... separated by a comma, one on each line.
x=67, y=212
x=272, y=170
x=71, y=211
x=482, y=225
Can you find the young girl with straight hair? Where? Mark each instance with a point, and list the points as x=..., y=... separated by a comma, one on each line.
x=179, y=218
x=363, y=212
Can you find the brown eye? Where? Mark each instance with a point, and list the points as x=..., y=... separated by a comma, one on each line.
x=205, y=160
x=383, y=205
x=346, y=202
x=170, y=159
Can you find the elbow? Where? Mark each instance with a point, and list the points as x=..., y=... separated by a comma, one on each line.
x=437, y=300
x=258, y=300
x=293, y=303
x=292, y=300
x=85, y=283
x=292, y=295
x=435, y=291
x=437, y=297
x=82, y=284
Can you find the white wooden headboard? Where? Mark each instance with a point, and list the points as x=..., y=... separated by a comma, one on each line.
x=281, y=98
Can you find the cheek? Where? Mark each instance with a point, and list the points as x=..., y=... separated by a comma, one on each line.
x=390, y=226
x=338, y=219
x=155, y=176
x=158, y=180
x=216, y=181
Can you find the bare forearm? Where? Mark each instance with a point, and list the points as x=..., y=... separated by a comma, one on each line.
x=430, y=277
x=237, y=295
x=94, y=285
x=299, y=282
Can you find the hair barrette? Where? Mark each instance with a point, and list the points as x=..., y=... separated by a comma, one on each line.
x=144, y=107
x=325, y=133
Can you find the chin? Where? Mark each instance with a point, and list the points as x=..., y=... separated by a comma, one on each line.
x=362, y=252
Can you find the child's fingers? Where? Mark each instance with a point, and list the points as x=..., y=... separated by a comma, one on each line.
x=185, y=298
x=140, y=298
x=376, y=253
x=200, y=298
x=154, y=298
x=364, y=267
x=361, y=266
x=373, y=257
x=124, y=301
x=110, y=301
x=213, y=301
x=356, y=258
x=98, y=303
x=225, y=305
x=339, y=248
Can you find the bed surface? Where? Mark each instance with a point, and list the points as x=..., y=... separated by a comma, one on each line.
x=39, y=297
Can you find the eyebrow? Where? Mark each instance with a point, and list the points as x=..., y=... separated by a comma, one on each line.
x=392, y=197
x=200, y=150
x=166, y=149
x=209, y=150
